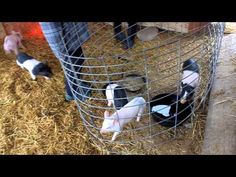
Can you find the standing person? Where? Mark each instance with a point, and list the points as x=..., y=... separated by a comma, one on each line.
x=65, y=40
x=127, y=41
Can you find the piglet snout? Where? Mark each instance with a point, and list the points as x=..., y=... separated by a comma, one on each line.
x=183, y=101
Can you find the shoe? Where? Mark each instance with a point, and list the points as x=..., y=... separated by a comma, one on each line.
x=68, y=97
x=130, y=43
x=131, y=35
x=120, y=37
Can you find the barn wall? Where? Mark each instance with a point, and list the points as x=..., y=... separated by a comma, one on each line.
x=183, y=27
x=27, y=29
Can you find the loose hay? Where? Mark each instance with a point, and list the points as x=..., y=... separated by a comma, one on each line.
x=35, y=119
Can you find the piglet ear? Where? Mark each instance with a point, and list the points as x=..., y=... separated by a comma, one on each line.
x=17, y=33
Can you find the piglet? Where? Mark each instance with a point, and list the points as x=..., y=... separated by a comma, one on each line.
x=190, y=80
x=116, y=121
x=116, y=95
x=35, y=67
x=12, y=42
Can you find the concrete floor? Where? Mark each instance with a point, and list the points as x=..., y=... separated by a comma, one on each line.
x=220, y=132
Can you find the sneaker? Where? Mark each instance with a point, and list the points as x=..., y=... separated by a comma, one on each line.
x=120, y=37
x=130, y=43
x=68, y=97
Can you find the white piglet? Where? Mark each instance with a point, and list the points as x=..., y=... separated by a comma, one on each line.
x=12, y=42
x=116, y=121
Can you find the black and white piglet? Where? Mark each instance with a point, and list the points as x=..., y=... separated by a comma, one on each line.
x=115, y=95
x=35, y=67
x=190, y=80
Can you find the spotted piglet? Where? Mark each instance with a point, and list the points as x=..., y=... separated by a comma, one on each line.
x=12, y=43
x=190, y=80
x=115, y=95
x=35, y=67
x=116, y=121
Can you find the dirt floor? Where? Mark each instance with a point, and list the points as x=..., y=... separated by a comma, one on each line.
x=221, y=121
x=35, y=119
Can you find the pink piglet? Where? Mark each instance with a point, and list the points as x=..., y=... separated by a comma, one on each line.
x=12, y=43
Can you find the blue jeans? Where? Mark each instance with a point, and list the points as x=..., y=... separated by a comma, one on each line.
x=74, y=82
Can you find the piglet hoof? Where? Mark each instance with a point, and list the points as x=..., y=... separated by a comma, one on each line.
x=22, y=46
x=47, y=78
x=138, y=119
x=188, y=125
x=114, y=136
x=106, y=114
x=33, y=78
x=113, y=140
x=183, y=101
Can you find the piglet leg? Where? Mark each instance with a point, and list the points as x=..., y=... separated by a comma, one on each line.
x=33, y=76
x=22, y=67
x=114, y=136
x=21, y=46
x=109, y=103
x=16, y=51
x=106, y=114
x=140, y=112
x=7, y=52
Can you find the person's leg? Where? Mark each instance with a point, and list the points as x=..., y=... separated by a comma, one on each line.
x=55, y=33
x=71, y=31
x=119, y=35
x=70, y=74
x=117, y=27
x=81, y=89
x=72, y=77
x=132, y=29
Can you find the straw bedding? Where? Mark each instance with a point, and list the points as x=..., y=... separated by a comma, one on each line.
x=35, y=119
